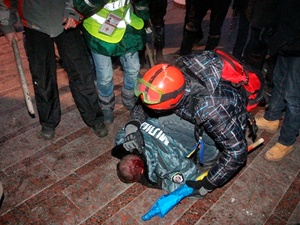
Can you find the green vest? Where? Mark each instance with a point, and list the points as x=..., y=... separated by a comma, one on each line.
x=114, y=9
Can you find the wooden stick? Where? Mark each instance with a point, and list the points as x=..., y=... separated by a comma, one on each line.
x=23, y=79
x=255, y=144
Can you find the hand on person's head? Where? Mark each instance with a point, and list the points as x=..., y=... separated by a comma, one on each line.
x=134, y=141
x=133, y=138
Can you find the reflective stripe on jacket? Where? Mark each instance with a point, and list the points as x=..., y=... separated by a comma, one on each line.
x=120, y=8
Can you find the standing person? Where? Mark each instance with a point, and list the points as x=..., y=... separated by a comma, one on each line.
x=157, y=12
x=285, y=100
x=239, y=7
x=7, y=22
x=196, y=11
x=46, y=24
x=114, y=31
x=259, y=13
x=192, y=96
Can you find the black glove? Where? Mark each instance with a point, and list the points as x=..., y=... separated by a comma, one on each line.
x=201, y=187
x=134, y=141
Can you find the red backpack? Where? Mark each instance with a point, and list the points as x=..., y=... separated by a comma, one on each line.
x=240, y=74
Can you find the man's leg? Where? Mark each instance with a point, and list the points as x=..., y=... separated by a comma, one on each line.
x=157, y=11
x=192, y=33
x=131, y=66
x=242, y=36
x=81, y=73
x=219, y=9
x=43, y=71
x=105, y=85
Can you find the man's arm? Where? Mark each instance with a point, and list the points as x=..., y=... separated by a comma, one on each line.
x=8, y=18
x=4, y=14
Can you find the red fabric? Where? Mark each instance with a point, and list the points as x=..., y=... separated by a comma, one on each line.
x=235, y=72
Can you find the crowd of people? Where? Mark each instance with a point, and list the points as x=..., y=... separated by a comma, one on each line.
x=175, y=108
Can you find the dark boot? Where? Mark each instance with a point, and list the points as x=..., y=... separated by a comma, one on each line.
x=159, y=42
x=108, y=105
x=128, y=98
x=159, y=56
x=187, y=42
x=212, y=42
x=142, y=57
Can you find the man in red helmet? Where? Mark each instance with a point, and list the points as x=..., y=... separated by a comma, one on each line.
x=190, y=95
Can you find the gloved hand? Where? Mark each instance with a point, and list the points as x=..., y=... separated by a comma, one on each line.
x=134, y=141
x=130, y=128
x=201, y=187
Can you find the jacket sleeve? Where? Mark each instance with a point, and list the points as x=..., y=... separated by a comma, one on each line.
x=225, y=120
x=4, y=14
x=8, y=16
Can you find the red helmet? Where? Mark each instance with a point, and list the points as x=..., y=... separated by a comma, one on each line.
x=161, y=87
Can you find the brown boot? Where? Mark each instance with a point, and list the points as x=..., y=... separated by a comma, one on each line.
x=277, y=152
x=264, y=124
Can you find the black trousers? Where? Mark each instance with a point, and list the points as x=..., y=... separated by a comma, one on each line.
x=199, y=8
x=80, y=70
x=157, y=11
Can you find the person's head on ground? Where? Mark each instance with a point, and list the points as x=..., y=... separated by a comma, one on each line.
x=130, y=168
x=161, y=88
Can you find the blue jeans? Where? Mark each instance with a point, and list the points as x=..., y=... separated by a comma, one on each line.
x=104, y=71
x=286, y=98
x=183, y=131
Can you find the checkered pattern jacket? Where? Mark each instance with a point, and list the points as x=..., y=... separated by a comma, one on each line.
x=216, y=106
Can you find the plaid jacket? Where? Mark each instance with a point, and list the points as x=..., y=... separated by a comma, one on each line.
x=215, y=105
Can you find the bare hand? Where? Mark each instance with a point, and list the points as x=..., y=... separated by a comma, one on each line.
x=69, y=23
x=10, y=36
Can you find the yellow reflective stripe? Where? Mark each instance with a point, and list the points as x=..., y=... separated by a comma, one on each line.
x=93, y=24
x=93, y=28
x=99, y=19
